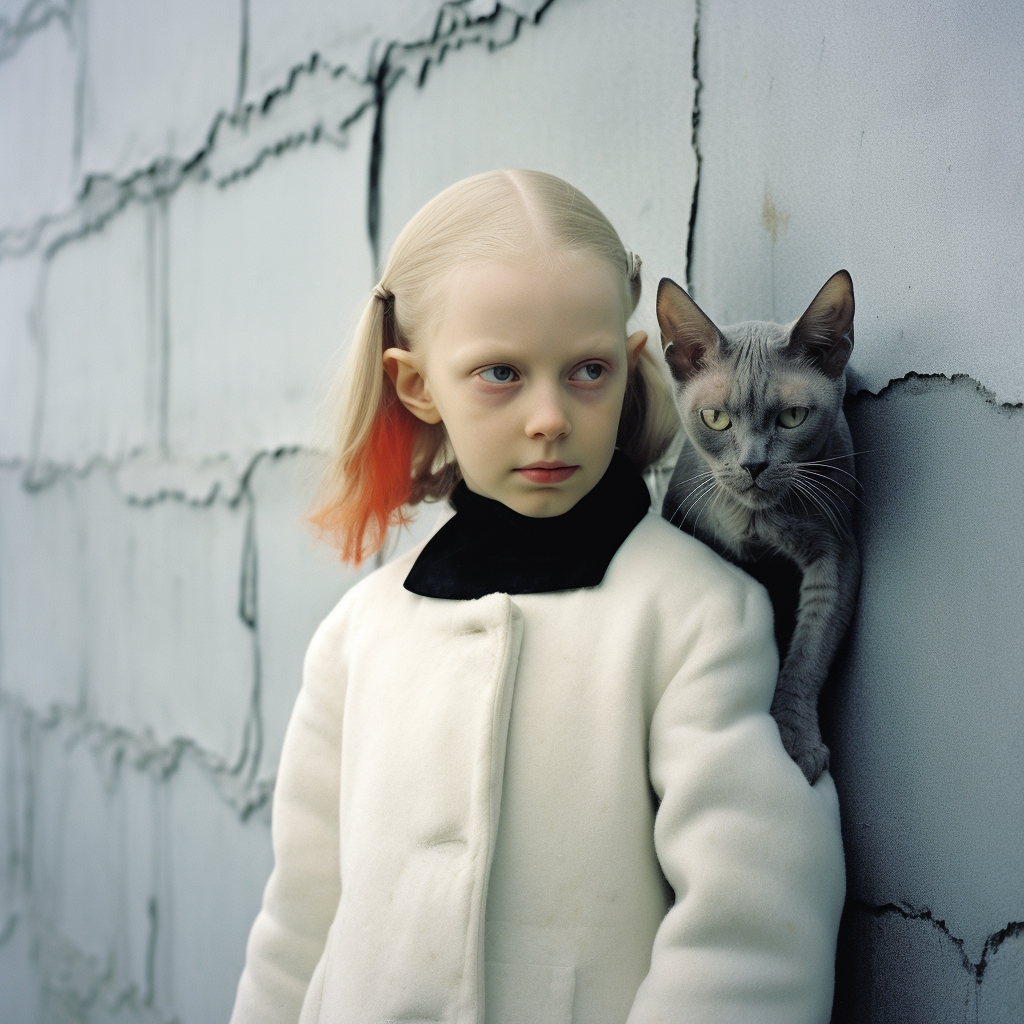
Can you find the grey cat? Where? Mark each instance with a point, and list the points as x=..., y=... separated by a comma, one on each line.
x=766, y=476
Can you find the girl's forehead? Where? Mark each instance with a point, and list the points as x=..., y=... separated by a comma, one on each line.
x=583, y=287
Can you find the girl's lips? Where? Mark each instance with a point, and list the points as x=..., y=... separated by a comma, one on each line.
x=553, y=474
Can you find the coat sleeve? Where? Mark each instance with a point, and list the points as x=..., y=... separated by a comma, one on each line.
x=301, y=897
x=752, y=852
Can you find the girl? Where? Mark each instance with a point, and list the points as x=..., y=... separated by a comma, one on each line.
x=531, y=777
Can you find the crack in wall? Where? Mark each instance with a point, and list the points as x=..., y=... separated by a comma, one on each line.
x=153, y=930
x=376, y=156
x=79, y=38
x=39, y=472
x=158, y=321
x=243, y=57
x=923, y=383
x=71, y=983
x=34, y=17
x=74, y=984
x=142, y=481
x=496, y=29
x=115, y=747
x=695, y=143
x=1013, y=930
x=317, y=104
x=37, y=335
x=238, y=134
x=457, y=25
x=248, y=611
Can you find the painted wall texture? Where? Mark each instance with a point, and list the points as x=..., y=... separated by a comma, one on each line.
x=193, y=199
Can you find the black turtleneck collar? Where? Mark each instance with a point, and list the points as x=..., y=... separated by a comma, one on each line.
x=487, y=547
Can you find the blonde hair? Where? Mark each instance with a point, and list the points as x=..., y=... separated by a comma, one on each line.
x=381, y=458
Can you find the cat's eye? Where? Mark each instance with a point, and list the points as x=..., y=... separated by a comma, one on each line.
x=499, y=375
x=716, y=419
x=587, y=373
x=793, y=416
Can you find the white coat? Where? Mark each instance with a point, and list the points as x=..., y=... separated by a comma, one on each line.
x=548, y=808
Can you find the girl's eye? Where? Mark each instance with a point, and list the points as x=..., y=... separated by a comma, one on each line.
x=588, y=372
x=499, y=375
x=793, y=416
x=716, y=419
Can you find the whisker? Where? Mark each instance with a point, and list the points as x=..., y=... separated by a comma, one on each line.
x=695, y=494
x=704, y=506
x=863, y=451
x=828, y=504
x=825, y=465
x=714, y=523
x=704, y=495
x=706, y=475
x=815, y=498
x=837, y=483
x=703, y=477
x=695, y=476
x=818, y=506
x=827, y=495
x=795, y=491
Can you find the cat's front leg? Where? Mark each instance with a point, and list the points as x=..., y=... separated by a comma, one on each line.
x=828, y=594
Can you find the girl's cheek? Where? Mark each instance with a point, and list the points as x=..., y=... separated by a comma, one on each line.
x=599, y=395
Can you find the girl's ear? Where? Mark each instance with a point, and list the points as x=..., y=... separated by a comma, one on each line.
x=634, y=346
x=410, y=384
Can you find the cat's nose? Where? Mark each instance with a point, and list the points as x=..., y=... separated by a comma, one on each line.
x=755, y=469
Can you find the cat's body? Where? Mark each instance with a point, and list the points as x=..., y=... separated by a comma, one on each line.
x=766, y=477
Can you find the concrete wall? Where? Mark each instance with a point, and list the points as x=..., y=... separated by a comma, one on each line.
x=193, y=198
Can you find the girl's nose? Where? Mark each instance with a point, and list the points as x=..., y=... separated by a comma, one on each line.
x=547, y=418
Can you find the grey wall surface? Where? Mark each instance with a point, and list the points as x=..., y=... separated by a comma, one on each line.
x=193, y=199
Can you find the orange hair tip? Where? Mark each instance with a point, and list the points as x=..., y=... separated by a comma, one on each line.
x=379, y=478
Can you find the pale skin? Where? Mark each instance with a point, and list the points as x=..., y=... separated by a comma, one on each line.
x=527, y=370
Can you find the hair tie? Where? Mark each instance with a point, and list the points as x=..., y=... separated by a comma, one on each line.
x=633, y=264
x=380, y=292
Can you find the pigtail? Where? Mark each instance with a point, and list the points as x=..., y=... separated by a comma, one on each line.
x=649, y=420
x=369, y=479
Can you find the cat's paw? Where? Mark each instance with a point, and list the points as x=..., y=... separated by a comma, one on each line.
x=811, y=759
x=803, y=743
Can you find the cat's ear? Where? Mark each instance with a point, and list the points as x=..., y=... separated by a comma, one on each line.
x=687, y=335
x=824, y=334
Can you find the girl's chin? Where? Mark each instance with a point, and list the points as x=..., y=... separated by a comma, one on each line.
x=543, y=504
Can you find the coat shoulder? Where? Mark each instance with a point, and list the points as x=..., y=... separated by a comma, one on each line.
x=380, y=589
x=695, y=600
x=660, y=553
